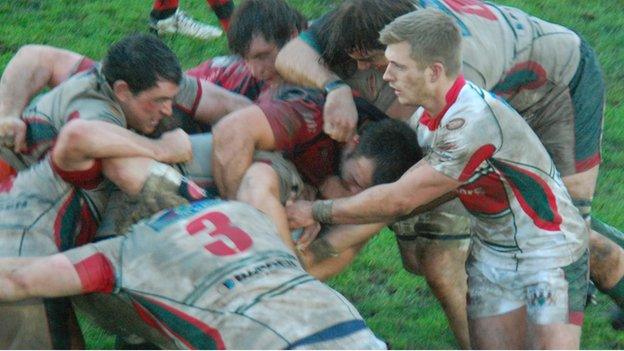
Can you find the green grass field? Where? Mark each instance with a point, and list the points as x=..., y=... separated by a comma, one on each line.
x=397, y=305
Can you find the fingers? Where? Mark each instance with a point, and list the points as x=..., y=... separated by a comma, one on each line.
x=309, y=234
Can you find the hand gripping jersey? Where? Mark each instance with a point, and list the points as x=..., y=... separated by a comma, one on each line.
x=524, y=217
x=215, y=275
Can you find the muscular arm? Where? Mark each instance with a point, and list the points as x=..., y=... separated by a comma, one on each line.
x=33, y=68
x=51, y=276
x=235, y=139
x=216, y=102
x=383, y=203
x=301, y=64
x=81, y=142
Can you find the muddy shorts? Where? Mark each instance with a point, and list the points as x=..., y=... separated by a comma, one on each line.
x=555, y=295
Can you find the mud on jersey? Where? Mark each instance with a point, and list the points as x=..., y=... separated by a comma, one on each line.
x=528, y=57
x=43, y=214
x=215, y=275
x=524, y=217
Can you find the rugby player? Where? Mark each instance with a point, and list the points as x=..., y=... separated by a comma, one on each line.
x=56, y=216
x=545, y=71
x=235, y=284
x=255, y=301
x=528, y=262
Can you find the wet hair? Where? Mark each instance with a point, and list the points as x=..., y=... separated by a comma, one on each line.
x=355, y=26
x=392, y=146
x=274, y=20
x=141, y=60
x=432, y=35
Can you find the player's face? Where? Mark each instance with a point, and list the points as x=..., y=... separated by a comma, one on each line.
x=145, y=110
x=366, y=60
x=405, y=77
x=260, y=58
x=357, y=173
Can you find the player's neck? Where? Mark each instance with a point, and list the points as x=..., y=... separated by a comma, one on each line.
x=437, y=102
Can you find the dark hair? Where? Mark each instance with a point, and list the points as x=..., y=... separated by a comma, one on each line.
x=393, y=147
x=141, y=60
x=355, y=25
x=275, y=20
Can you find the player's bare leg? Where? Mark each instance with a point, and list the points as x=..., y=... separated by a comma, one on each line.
x=606, y=257
x=442, y=265
x=505, y=331
x=553, y=337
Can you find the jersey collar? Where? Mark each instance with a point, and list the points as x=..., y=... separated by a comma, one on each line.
x=451, y=96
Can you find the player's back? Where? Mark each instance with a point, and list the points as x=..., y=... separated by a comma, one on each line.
x=517, y=56
x=215, y=274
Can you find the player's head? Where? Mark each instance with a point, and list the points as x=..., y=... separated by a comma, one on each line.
x=423, y=51
x=144, y=75
x=353, y=30
x=259, y=29
x=384, y=151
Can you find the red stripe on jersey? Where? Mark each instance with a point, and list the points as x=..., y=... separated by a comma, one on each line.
x=96, y=274
x=147, y=317
x=433, y=123
x=588, y=163
x=6, y=184
x=85, y=179
x=6, y=172
x=88, y=226
x=197, y=98
x=58, y=221
x=473, y=7
x=576, y=318
x=482, y=154
x=204, y=328
x=160, y=5
x=84, y=65
x=191, y=112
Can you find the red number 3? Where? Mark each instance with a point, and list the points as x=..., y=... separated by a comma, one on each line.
x=220, y=225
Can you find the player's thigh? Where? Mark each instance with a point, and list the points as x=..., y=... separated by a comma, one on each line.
x=442, y=234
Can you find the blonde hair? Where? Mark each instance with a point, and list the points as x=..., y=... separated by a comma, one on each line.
x=432, y=35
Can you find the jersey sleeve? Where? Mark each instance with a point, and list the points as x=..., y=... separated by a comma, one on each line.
x=97, y=265
x=189, y=95
x=85, y=64
x=313, y=35
x=295, y=115
x=463, y=143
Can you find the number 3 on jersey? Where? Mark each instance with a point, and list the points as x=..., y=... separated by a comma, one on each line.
x=226, y=239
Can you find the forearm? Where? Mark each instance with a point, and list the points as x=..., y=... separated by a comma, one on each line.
x=22, y=78
x=33, y=68
x=301, y=64
x=82, y=141
x=22, y=278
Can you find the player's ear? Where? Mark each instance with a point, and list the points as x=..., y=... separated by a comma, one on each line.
x=122, y=91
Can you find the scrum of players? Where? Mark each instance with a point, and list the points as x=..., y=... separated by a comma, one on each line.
x=202, y=209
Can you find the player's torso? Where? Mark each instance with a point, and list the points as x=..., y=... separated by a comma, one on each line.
x=521, y=206
x=85, y=95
